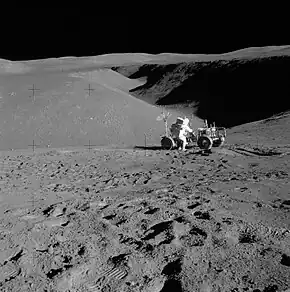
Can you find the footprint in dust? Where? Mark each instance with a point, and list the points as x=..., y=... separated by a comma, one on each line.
x=8, y=271
x=108, y=280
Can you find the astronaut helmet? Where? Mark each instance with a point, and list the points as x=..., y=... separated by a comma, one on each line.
x=179, y=121
x=186, y=121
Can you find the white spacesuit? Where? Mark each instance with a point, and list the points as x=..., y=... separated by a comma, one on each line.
x=183, y=132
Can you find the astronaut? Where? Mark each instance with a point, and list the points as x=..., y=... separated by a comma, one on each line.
x=183, y=133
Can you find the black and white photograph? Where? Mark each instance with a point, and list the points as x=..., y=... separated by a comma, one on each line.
x=144, y=155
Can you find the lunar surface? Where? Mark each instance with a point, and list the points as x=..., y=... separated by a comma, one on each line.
x=128, y=217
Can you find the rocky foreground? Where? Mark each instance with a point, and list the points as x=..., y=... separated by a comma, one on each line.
x=154, y=220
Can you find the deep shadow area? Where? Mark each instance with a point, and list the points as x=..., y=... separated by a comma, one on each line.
x=190, y=150
x=172, y=285
x=228, y=92
x=148, y=147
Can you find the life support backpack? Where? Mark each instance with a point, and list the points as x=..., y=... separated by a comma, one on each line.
x=175, y=129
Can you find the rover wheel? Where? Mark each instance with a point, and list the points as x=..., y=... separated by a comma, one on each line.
x=219, y=142
x=191, y=139
x=167, y=143
x=204, y=143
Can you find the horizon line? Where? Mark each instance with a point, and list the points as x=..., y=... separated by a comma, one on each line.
x=257, y=49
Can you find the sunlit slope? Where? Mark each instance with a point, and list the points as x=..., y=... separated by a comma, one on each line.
x=65, y=113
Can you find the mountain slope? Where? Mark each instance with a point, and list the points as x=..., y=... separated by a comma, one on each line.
x=64, y=113
x=229, y=92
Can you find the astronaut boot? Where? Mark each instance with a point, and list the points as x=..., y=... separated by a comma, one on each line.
x=184, y=146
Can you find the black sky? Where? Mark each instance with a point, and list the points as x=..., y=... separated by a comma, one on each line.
x=59, y=37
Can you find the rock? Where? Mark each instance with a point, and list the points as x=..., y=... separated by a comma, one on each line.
x=58, y=211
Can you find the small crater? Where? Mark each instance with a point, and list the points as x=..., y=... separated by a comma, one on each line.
x=144, y=204
x=151, y=211
x=116, y=260
x=83, y=206
x=54, y=272
x=143, y=224
x=285, y=260
x=195, y=237
x=271, y=288
x=197, y=231
x=285, y=204
x=16, y=257
x=181, y=219
x=109, y=217
x=121, y=222
x=169, y=238
x=266, y=251
x=254, y=164
x=66, y=259
x=157, y=229
x=134, y=243
x=228, y=221
x=247, y=280
x=193, y=206
x=202, y=215
x=217, y=242
x=148, y=248
x=82, y=251
x=48, y=210
x=247, y=236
